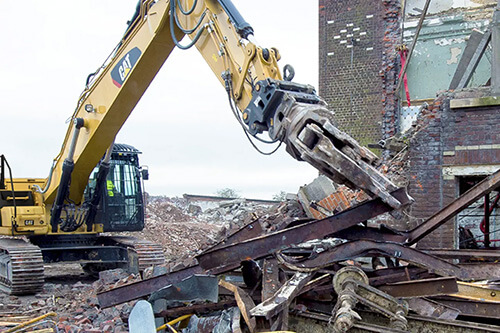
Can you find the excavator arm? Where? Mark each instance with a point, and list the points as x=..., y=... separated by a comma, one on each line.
x=261, y=97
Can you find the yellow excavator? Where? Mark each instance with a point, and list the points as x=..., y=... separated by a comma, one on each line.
x=94, y=185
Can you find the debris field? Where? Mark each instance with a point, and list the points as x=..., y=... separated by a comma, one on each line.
x=321, y=261
x=335, y=274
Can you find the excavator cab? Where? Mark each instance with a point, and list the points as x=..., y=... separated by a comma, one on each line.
x=121, y=207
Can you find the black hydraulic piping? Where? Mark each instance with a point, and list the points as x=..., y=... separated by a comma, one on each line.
x=102, y=175
x=243, y=28
x=2, y=172
x=67, y=169
x=4, y=162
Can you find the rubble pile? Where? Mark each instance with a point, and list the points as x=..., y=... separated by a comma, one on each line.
x=181, y=229
x=234, y=212
x=179, y=233
x=271, y=269
x=166, y=210
x=328, y=275
x=397, y=166
x=75, y=306
x=184, y=229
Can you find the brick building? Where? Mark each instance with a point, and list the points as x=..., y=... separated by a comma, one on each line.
x=357, y=65
x=454, y=146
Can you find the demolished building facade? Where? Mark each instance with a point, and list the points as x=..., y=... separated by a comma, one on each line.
x=454, y=140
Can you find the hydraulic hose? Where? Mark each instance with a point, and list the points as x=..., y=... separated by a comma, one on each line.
x=67, y=170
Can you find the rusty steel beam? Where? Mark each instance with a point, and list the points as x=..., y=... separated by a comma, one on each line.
x=465, y=254
x=482, y=271
x=430, y=308
x=471, y=308
x=382, y=234
x=360, y=248
x=264, y=245
x=270, y=279
x=364, y=248
x=421, y=288
x=487, y=185
x=143, y=288
x=396, y=274
x=251, y=230
x=199, y=309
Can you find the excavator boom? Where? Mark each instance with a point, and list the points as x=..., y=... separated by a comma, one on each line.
x=259, y=95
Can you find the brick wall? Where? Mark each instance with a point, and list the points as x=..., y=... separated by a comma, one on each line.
x=335, y=202
x=357, y=65
x=449, y=138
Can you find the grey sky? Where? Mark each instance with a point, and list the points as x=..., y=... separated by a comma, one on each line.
x=189, y=137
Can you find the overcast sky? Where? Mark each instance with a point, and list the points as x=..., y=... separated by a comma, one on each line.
x=183, y=124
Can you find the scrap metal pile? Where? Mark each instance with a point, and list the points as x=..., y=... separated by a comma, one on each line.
x=330, y=275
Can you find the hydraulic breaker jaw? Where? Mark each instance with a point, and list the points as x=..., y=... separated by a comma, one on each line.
x=310, y=136
x=295, y=115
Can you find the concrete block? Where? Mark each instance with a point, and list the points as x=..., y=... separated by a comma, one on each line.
x=159, y=270
x=474, y=102
x=159, y=305
x=112, y=276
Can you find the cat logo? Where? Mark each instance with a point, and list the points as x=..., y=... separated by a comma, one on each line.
x=124, y=66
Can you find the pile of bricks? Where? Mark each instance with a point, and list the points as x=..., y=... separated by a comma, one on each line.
x=76, y=306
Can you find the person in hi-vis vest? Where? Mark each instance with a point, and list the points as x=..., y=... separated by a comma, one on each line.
x=111, y=188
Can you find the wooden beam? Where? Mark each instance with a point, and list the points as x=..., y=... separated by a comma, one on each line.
x=474, y=50
x=495, y=45
x=412, y=47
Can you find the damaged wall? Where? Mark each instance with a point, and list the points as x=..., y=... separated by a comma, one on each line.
x=440, y=45
x=357, y=65
x=436, y=7
x=450, y=143
x=358, y=77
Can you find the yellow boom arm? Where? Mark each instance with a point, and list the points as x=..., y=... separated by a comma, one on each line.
x=114, y=92
x=265, y=101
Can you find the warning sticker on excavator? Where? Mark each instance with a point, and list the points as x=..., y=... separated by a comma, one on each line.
x=124, y=66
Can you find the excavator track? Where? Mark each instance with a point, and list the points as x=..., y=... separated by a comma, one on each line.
x=21, y=267
x=148, y=253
